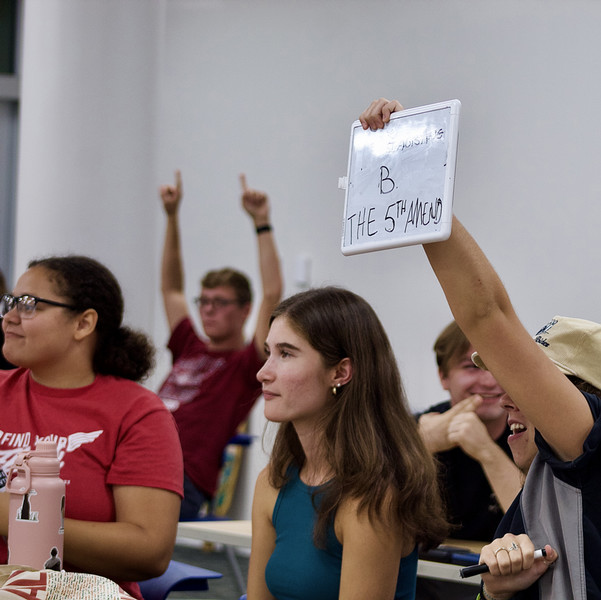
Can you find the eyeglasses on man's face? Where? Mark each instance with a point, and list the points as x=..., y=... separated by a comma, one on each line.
x=217, y=302
x=26, y=304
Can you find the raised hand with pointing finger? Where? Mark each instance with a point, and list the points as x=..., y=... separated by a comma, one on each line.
x=255, y=203
x=171, y=195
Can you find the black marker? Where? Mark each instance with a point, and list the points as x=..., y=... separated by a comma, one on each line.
x=483, y=568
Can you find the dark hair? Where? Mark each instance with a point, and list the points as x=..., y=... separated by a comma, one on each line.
x=86, y=283
x=230, y=277
x=450, y=345
x=2, y=283
x=371, y=440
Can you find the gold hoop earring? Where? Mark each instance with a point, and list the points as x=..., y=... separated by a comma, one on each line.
x=335, y=389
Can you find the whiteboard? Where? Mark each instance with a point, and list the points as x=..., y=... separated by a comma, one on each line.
x=399, y=183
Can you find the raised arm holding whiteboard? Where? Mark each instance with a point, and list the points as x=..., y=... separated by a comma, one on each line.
x=399, y=184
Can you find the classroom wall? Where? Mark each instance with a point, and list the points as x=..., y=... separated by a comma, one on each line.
x=117, y=94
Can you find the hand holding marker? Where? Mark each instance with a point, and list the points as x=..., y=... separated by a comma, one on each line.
x=483, y=568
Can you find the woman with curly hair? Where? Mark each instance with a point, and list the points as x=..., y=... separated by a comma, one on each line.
x=76, y=384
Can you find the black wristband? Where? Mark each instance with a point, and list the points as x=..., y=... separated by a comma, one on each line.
x=263, y=229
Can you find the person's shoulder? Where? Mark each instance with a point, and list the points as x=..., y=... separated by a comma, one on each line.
x=263, y=476
x=355, y=506
x=12, y=376
x=353, y=517
x=185, y=328
x=102, y=380
x=264, y=479
x=126, y=392
x=185, y=339
x=265, y=493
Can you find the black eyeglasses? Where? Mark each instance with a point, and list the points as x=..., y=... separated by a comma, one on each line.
x=216, y=302
x=26, y=304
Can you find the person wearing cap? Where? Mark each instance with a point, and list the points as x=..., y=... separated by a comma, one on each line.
x=574, y=346
x=558, y=508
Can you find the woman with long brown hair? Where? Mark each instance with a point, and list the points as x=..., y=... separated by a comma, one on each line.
x=350, y=490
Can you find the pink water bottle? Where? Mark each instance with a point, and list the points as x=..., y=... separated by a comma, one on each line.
x=36, y=509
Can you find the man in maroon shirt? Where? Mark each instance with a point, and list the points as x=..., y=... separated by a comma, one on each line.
x=212, y=385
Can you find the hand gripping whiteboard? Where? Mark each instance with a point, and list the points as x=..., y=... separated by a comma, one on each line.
x=399, y=184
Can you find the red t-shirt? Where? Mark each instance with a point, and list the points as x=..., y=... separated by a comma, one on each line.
x=210, y=393
x=112, y=432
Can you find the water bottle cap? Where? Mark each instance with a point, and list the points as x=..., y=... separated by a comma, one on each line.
x=44, y=459
x=46, y=448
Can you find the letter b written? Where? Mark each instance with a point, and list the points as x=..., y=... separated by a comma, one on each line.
x=386, y=182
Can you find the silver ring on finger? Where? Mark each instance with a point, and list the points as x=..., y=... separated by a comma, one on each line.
x=499, y=550
x=513, y=546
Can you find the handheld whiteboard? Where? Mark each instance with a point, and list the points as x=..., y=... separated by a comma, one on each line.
x=399, y=184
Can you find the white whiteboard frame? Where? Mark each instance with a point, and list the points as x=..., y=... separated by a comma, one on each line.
x=365, y=142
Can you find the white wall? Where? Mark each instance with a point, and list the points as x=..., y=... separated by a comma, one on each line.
x=270, y=87
x=86, y=180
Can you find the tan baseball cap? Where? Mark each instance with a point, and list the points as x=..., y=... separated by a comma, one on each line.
x=574, y=345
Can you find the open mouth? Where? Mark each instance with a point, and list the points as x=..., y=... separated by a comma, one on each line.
x=516, y=429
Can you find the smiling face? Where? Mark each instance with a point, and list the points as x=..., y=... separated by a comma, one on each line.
x=521, y=441
x=296, y=383
x=464, y=379
x=45, y=339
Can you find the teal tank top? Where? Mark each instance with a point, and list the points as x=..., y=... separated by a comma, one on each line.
x=297, y=569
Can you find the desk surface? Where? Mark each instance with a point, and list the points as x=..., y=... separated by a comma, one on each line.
x=232, y=533
x=239, y=533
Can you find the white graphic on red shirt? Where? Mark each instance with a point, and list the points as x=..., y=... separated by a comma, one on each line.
x=185, y=379
x=13, y=444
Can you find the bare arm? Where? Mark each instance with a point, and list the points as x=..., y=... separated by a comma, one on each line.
x=504, y=477
x=371, y=554
x=172, y=271
x=138, y=545
x=256, y=204
x=263, y=538
x=482, y=309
